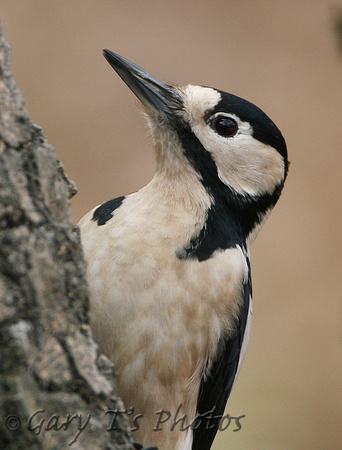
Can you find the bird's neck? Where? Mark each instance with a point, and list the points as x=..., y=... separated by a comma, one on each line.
x=218, y=221
x=187, y=176
x=178, y=185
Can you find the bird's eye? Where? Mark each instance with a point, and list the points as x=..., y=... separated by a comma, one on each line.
x=225, y=126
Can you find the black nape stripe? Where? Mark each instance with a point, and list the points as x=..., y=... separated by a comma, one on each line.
x=231, y=217
x=105, y=212
x=220, y=231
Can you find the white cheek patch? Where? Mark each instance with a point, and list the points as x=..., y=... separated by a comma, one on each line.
x=245, y=164
x=249, y=166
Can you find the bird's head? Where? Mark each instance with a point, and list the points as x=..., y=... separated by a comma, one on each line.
x=239, y=154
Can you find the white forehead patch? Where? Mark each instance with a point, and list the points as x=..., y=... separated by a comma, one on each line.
x=198, y=100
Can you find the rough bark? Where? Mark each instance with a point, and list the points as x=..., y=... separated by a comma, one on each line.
x=49, y=367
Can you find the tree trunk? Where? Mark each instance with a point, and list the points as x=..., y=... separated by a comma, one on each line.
x=56, y=391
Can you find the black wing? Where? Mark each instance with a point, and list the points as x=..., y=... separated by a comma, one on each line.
x=104, y=212
x=215, y=390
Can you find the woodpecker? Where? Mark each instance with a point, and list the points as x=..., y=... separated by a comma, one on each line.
x=169, y=265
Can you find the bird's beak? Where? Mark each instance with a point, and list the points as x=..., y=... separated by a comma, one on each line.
x=149, y=90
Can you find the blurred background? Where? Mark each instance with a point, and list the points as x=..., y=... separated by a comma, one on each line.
x=283, y=56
